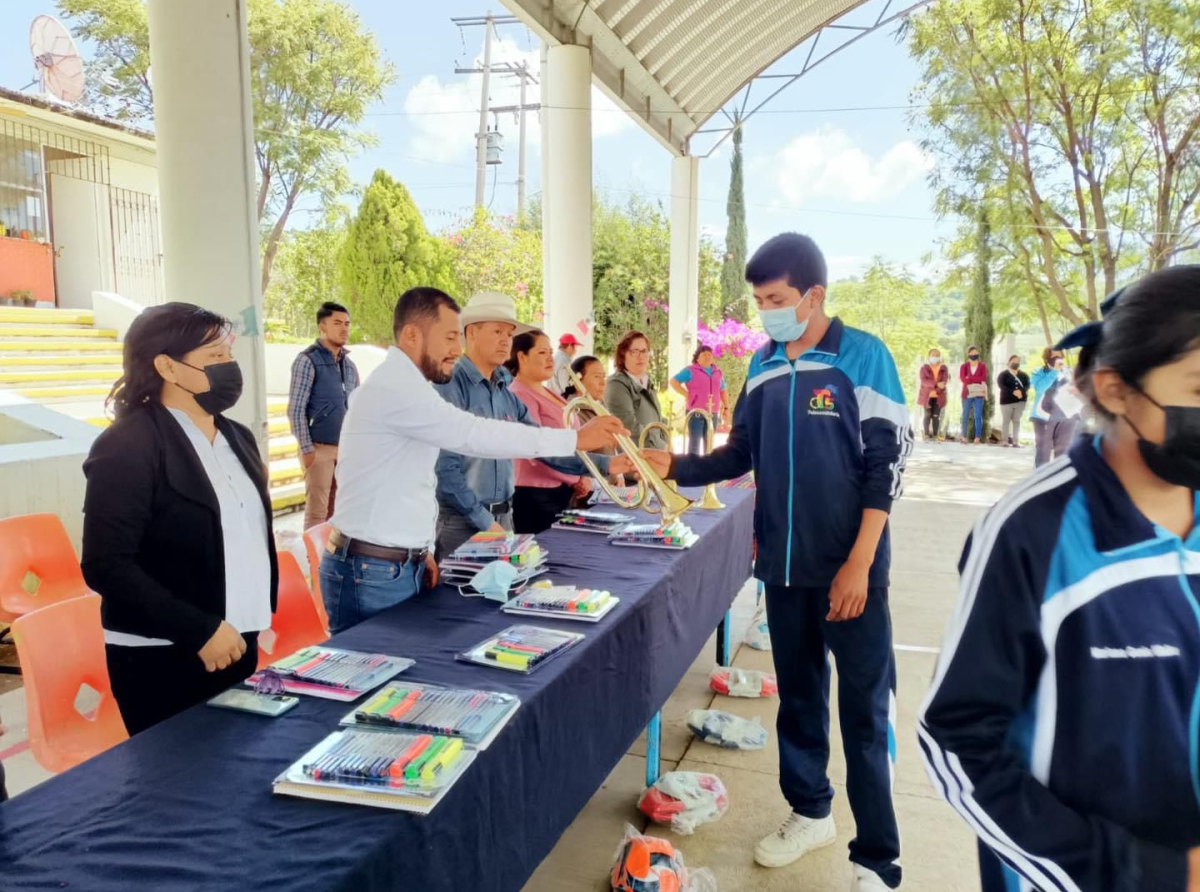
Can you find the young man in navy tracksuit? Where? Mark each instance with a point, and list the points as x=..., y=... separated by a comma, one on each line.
x=823, y=423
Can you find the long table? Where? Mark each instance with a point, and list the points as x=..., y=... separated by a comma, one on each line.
x=187, y=805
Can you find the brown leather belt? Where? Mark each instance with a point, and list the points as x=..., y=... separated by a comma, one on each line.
x=338, y=542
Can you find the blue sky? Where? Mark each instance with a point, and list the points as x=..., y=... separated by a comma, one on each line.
x=853, y=179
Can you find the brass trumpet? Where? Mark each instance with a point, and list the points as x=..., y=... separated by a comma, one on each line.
x=709, y=499
x=670, y=503
x=645, y=435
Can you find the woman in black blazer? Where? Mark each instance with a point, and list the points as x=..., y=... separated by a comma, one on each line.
x=177, y=521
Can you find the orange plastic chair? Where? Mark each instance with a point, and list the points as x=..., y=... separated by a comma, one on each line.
x=296, y=623
x=38, y=566
x=315, y=540
x=61, y=648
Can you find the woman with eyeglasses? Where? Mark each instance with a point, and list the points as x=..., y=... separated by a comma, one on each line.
x=177, y=520
x=1062, y=719
x=629, y=395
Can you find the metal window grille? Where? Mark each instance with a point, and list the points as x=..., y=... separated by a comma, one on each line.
x=137, y=246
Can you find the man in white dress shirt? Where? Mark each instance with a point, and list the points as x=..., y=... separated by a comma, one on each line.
x=386, y=515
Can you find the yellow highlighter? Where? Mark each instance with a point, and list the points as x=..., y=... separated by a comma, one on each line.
x=442, y=761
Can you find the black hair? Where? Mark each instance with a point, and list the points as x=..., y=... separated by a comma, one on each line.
x=522, y=343
x=703, y=348
x=623, y=346
x=1014, y=356
x=579, y=366
x=972, y=347
x=420, y=306
x=327, y=309
x=789, y=256
x=1154, y=323
x=171, y=329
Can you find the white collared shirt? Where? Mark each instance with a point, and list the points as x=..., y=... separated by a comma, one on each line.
x=396, y=425
x=243, y=529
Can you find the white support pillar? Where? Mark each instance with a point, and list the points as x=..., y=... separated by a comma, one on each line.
x=567, y=192
x=204, y=136
x=685, y=261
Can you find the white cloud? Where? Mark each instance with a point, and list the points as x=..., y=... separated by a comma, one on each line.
x=827, y=164
x=445, y=114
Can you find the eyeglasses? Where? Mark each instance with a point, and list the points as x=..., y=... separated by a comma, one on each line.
x=638, y=351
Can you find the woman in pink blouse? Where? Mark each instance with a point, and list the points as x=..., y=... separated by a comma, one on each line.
x=541, y=492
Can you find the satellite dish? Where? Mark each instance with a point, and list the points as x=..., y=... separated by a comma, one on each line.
x=58, y=63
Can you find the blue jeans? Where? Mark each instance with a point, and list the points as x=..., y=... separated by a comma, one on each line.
x=356, y=588
x=697, y=430
x=973, y=405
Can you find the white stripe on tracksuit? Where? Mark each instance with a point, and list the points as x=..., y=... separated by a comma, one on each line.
x=944, y=768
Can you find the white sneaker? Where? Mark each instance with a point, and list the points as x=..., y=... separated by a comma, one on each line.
x=867, y=881
x=795, y=838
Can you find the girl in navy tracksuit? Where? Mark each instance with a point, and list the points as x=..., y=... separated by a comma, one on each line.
x=1064, y=718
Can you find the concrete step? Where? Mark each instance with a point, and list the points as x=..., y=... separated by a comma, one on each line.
x=288, y=496
x=51, y=375
x=51, y=394
x=8, y=332
x=19, y=361
x=281, y=446
x=59, y=345
x=285, y=470
x=41, y=316
x=278, y=426
x=276, y=407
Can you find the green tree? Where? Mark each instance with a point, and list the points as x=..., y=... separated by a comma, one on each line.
x=733, y=269
x=980, y=329
x=889, y=303
x=495, y=254
x=314, y=72
x=387, y=250
x=306, y=275
x=1077, y=124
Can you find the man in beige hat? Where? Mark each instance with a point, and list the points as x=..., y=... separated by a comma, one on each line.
x=475, y=494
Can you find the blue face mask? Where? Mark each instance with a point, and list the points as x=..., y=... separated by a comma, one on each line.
x=782, y=325
x=494, y=580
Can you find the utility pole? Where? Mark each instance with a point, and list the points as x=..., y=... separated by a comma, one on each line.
x=523, y=74
x=489, y=22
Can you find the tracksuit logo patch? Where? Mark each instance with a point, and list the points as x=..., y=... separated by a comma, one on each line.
x=824, y=401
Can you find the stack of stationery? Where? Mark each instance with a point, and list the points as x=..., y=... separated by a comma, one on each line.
x=483, y=548
x=409, y=772
x=676, y=535
x=591, y=521
x=333, y=674
x=475, y=716
x=520, y=648
x=564, y=602
x=746, y=481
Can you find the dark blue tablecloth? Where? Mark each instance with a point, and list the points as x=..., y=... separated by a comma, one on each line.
x=188, y=805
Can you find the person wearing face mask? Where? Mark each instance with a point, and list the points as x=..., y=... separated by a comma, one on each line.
x=177, y=520
x=629, y=395
x=1014, y=393
x=973, y=374
x=1061, y=720
x=1053, y=426
x=381, y=550
x=823, y=423
x=932, y=395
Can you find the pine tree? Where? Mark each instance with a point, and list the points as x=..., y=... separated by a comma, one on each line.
x=387, y=251
x=980, y=327
x=733, y=270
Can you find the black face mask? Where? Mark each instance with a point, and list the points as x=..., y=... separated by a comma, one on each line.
x=224, y=386
x=974, y=357
x=1014, y=365
x=1177, y=458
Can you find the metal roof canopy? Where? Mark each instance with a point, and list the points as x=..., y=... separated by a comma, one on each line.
x=673, y=64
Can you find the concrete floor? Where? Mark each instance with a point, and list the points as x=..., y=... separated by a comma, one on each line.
x=947, y=488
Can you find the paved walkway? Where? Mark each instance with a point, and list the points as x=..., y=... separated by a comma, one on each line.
x=948, y=486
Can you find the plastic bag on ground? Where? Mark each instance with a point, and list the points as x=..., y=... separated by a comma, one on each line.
x=758, y=635
x=685, y=800
x=743, y=682
x=727, y=730
x=650, y=864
